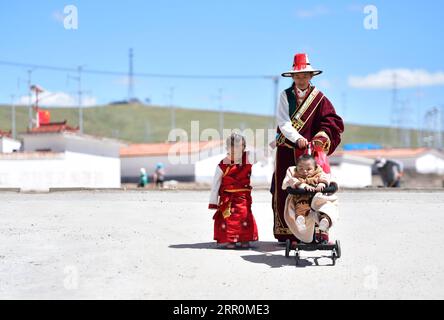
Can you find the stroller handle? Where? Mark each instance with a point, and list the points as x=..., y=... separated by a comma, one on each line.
x=332, y=188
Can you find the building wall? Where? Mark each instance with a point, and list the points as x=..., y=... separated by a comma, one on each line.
x=261, y=172
x=429, y=164
x=8, y=145
x=352, y=175
x=60, y=142
x=189, y=168
x=130, y=168
x=60, y=170
x=98, y=147
x=206, y=168
x=55, y=142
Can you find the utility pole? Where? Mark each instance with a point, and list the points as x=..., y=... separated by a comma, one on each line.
x=439, y=128
x=80, y=99
x=30, y=99
x=13, y=116
x=80, y=92
x=404, y=120
x=344, y=105
x=221, y=113
x=394, y=113
x=173, y=111
x=130, y=76
x=275, y=102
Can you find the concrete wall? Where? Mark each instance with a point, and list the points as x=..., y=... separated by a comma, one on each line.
x=58, y=170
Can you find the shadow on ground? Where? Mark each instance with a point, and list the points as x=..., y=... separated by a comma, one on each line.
x=268, y=254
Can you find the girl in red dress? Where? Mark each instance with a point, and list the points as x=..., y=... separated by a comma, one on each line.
x=231, y=197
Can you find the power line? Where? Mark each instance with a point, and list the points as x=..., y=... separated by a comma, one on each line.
x=131, y=75
x=141, y=75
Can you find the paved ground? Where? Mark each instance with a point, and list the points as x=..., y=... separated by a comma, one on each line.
x=156, y=244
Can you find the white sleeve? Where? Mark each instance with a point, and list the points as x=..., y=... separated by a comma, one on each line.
x=283, y=119
x=214, y=196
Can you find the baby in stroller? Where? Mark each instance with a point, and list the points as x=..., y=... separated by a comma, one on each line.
x=312, y=212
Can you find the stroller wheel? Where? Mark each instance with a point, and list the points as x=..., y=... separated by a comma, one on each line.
x=338, y=248
x=297, y=257
x=287, y=247
x=334, y=257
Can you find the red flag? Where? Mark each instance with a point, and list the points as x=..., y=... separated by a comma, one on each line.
x=44, y=116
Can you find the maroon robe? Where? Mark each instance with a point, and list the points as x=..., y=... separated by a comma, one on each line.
x=323, y=125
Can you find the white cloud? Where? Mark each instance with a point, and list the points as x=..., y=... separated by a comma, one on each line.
x=404, y=78
x=59, y=99
x=312, y=12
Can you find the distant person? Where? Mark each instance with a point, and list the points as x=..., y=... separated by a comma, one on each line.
x=143, y=178
x=159, y=175
x=390, y=171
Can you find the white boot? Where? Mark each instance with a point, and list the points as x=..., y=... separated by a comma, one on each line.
x=300, y=223
x=324, y=224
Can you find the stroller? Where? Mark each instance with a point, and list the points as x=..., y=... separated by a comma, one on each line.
x=298, y=245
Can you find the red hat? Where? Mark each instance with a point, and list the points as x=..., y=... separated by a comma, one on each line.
x=301, y=64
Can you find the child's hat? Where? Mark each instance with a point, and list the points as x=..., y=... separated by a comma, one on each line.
x=301, y=64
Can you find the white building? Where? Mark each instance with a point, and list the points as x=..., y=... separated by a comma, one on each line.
x=351, y=171
x=57, y=156
x=419, y=160
x=7, y=144
x=183, y=161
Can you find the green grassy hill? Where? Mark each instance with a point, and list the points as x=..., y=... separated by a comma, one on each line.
x=137, y=123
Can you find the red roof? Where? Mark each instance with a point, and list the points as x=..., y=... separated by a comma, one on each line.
x=54, y=127
x=158, y=149
x=5, y=133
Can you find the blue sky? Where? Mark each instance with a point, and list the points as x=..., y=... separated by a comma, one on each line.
x=232, y=37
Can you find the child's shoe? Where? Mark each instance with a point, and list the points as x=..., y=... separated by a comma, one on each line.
x=324, y=225
x=226, y=245
x=300, y=223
